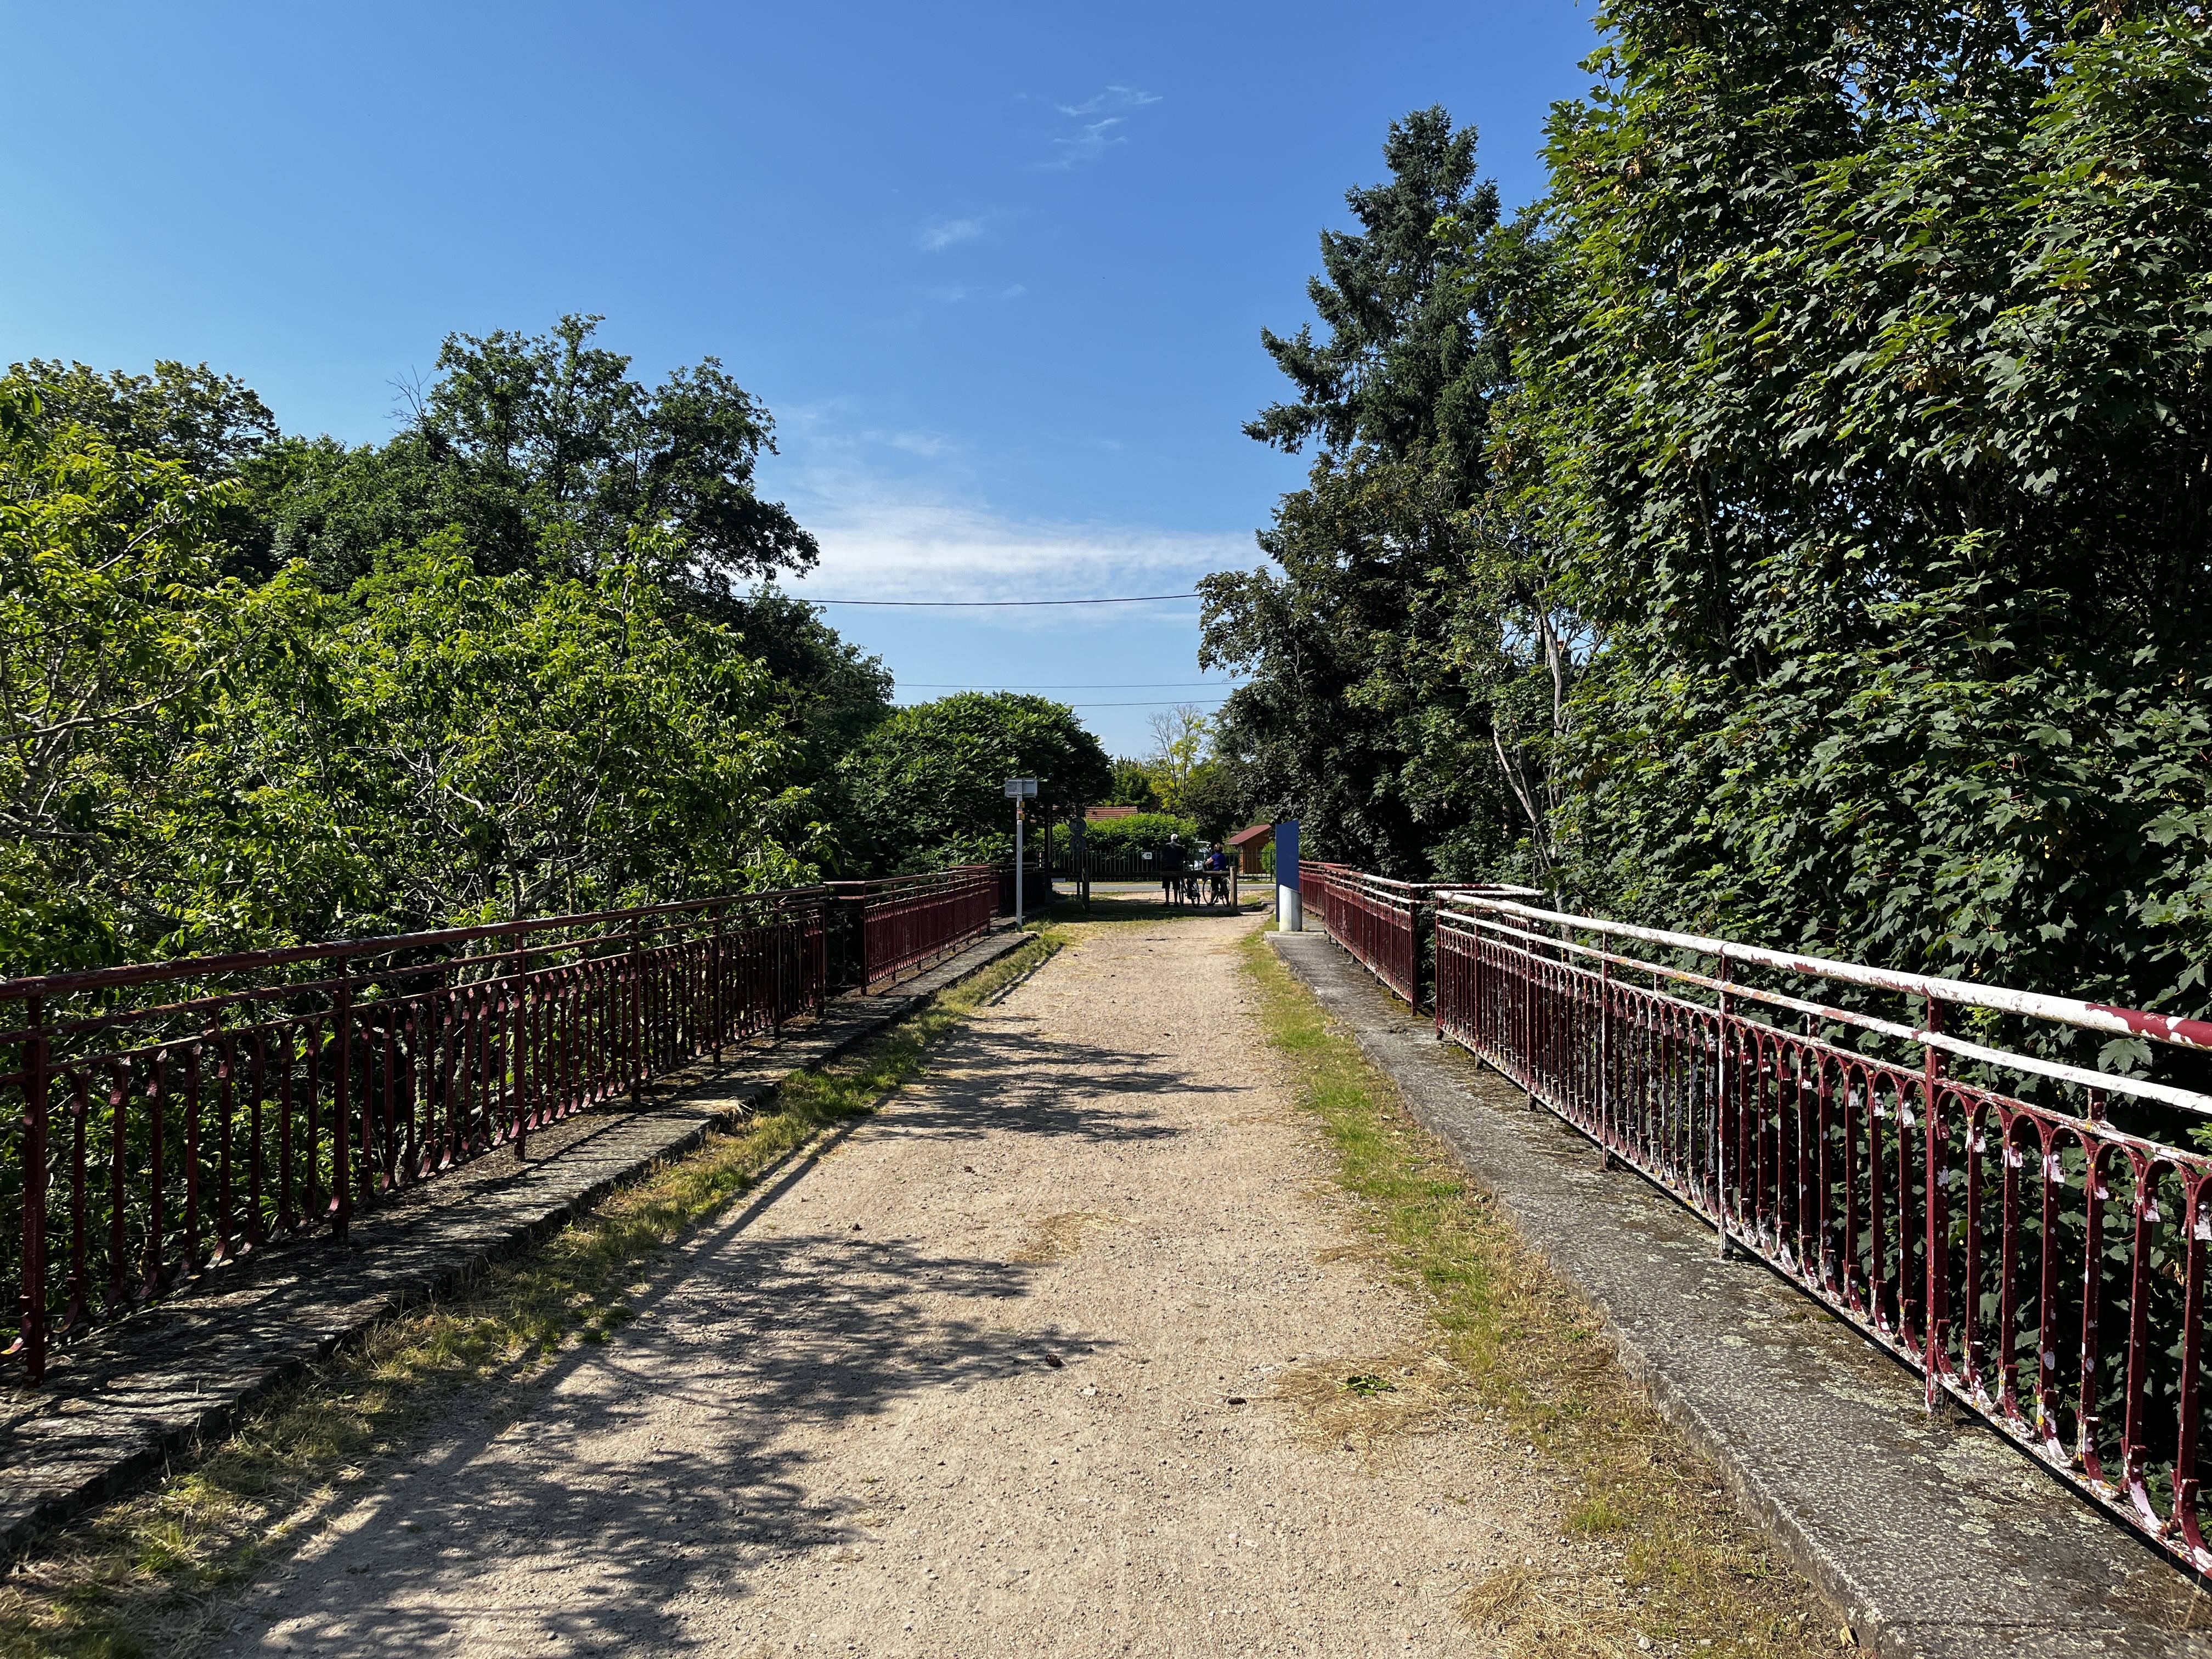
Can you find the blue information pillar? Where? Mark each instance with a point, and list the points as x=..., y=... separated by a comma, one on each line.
x=1290, y=916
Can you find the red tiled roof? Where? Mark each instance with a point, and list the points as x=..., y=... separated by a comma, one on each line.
x=1254, y=834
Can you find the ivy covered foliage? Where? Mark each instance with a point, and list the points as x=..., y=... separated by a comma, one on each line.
x=1830, y=565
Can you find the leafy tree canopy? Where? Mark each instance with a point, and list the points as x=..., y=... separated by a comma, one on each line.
x=544, y=453
x=514, y=671
x=1872, y=399
x=1132, y=784
x=929, y=781
x=1357, y=718
x=1800, y=514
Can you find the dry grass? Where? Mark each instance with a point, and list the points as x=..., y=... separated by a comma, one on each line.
x=1528, y=1610
x=1056, y=1237
x=1367, y=1405
x=152, y=1574
x=1671, y=1560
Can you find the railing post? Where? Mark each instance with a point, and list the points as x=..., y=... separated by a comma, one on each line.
x=342, y=1110
x=1605, y=1158
x=1935, y=1307
x=637, y=1009
x=1722, y=1077
x=35, y=1060
x=530, y=1047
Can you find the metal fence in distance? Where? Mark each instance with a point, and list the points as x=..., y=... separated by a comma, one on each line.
x=1389, y=925
x=1107, y=866
x=165, y=1119
x=906, y=921
x=2021, y=1230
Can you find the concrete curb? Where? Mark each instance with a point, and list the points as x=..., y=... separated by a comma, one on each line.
x=117, y=1406
x=1931, y=1536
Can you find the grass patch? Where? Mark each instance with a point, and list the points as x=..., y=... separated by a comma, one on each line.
x=1525, y=1347
x=147, y=1575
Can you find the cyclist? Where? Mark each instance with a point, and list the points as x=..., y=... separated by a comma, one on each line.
x=1217, y=868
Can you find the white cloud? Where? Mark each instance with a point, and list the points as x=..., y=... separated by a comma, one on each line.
x=1112, y=97
x=1088, y=145
x=931, y=444
x=953, y=294
x=919, y=548
x=887, y=532
x=939, y=235
x=1092, y=139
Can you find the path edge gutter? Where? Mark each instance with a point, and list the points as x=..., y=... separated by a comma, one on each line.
x=26, y=1523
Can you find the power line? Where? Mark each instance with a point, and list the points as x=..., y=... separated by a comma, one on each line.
x=973, y=605
x=1108, y=685
x=1169, y=704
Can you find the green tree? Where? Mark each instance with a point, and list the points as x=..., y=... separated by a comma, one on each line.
x=543, y=453
x=1182, y=736
x=514, y=744
x=213, y=426
x=927, y=784
x=1213, y=797
x=116, y=628
x=1132, y=784
x=1362, y=714
x=192, y=761
x=1872, y=406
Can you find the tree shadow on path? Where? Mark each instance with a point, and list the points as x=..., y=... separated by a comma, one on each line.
x=648, y=1477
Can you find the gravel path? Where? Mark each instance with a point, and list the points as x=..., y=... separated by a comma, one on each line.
x=1046, y=1357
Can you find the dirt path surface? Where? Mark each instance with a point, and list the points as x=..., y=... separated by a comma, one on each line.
x=1046, y=1357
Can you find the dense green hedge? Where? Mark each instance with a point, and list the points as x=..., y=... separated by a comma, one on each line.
x=1139, y=832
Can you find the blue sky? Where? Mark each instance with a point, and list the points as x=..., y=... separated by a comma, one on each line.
x=998, y=271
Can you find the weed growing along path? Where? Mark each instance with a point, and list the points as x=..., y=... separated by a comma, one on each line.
x=1078, y=1346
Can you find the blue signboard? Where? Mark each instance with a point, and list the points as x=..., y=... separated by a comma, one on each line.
x=1286, y=854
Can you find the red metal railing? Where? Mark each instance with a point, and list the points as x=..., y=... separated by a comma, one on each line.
x=1377, y=920
x=1385, y=924
x=173, y=1116
x=2031, y=1258
x=907, y=920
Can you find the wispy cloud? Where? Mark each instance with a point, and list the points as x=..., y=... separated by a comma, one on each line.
x=1092, y=139
x=889, y=548
x=1112, y=97
x=891, y=528
x=939, y=235
x=929, y=444
x=1087, y=145
x=953, y=294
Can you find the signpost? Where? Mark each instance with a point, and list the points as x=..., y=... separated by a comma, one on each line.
x=1018, y=791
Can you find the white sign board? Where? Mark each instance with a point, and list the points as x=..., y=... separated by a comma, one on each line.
x=1020, y=788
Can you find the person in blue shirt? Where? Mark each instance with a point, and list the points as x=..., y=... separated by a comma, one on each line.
x=1217, y=866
